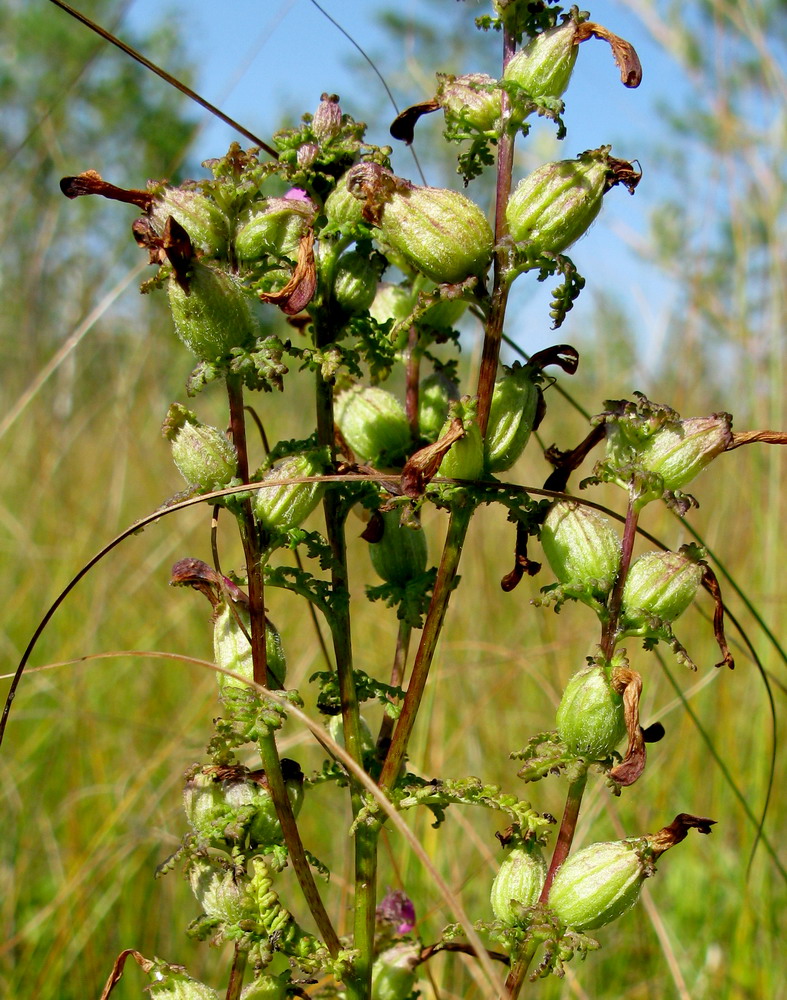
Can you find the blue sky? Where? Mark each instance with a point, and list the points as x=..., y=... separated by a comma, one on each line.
x=259, y=56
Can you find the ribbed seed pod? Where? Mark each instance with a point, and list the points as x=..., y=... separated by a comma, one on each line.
x=519, y=882
x=660, y=585
x=265, y=988
x=355, y=282
x=544, y=66
x=590, y=718
x=275, y=227
x=580, y=545
x=598, y=884
x=393, y=972
x=400, y=554
x=511, y=417
x=465, y=459
x=342, y=208
x=205, y=223
x=282, y=508
x=232, y=651
x=213, y=314
x=202, y=454
x=439, y=232
x=471, y=100
x=181, y=989
x=681, y=454
x=374, y=425
x=435, y=395
x=556, y=204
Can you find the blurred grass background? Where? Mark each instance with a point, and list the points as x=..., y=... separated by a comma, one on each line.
x=94, y=754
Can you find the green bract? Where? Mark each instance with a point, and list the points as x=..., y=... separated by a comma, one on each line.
x=182, y=989
x=581, y=545
x=595, y=886
x=518, y=882
x=590, y=718
x=374, y=425
x=400, y=554
x=659, y=585
x=212, y=313
x=511, y=417
x=282, y=508
x=202, y=454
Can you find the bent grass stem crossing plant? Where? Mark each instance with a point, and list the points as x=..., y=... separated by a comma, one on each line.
x=275, y=262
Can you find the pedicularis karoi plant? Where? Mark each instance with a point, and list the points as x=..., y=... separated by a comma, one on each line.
x=310, y=227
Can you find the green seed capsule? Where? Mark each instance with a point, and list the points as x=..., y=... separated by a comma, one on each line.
x=471, y=100
x=181, y=989
x=680, y=455
x=590, y=718
x=518, y=882
x=213, y=314
x=232, y=651
x=581, y=545
x=342, y=208
x=336, y=730
x=435, y=395
x=544, y=66
x=597, y=885
x=217, y=892
x=355, y=282
x=660, y=585
x=202, y=454
x=265, y=988
x=511, y=417
x=274, y=228
x=441, y=233
x=393, y=972
x=282, y=508
x=400, y=555
x=374, y=425
x=465, y=459
x=556, y=204
x=205, y=223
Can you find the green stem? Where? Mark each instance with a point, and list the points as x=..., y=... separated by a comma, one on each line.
x=446, y=578
x=520, y=964
x=235, y=985
x=365, y=839
x=267, y=742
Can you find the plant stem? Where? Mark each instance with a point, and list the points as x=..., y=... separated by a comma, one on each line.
x=610, y=630
x=234, y=986
x=519, y=966
x=500, y=286
x=568, y=828
x=267, y=742
x=397, y=676
x=446, y=577
x=365, y=838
